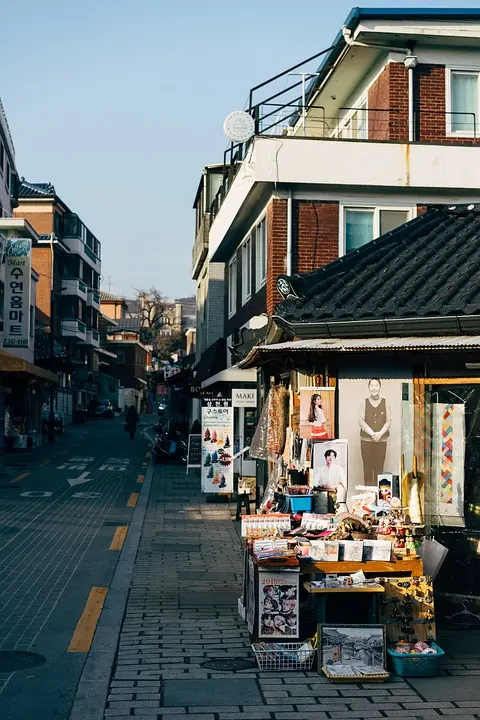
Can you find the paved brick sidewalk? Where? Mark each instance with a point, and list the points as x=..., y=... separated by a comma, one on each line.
x=182, y=611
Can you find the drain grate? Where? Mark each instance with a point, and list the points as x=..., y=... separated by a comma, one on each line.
x=11, y=660
x=229, y=664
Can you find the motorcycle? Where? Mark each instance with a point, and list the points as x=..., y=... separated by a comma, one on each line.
x=169, y=447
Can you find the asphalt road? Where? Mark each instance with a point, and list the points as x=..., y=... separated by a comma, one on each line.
x=63, y=522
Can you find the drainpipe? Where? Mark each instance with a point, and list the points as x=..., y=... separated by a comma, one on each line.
x=289, y=233
x=410, y=63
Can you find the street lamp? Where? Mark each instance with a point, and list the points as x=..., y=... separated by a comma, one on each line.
x=51, y=414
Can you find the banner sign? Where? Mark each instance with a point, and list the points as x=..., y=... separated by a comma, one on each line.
x=162, y=390
x=217, y=437
x=244, y=398
x=448, y=463
x=18, y=273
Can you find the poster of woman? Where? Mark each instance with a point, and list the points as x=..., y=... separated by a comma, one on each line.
x=370, y=418
x=317, y=413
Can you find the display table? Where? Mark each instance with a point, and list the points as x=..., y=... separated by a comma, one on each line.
x=411, y=566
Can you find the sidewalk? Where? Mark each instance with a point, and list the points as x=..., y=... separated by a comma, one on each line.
x=182, y=612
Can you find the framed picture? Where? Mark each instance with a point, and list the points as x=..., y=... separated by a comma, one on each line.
x=330, y=460
x=356, y=650
x=278, y=605
x=317, y=413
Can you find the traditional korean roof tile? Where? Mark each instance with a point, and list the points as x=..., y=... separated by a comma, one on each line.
x=29, y=190
x=428, y=267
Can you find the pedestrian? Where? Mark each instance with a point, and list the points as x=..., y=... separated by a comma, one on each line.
x=131, y=421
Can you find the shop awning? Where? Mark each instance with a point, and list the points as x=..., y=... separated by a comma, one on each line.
x=258, y=355
x=232, y=375
x=11, y=364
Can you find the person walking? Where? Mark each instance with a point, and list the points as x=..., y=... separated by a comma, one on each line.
x=131, y=421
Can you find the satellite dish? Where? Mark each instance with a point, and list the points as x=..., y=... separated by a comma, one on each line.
x=239, y=126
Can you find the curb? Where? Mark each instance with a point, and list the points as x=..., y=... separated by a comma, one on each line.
x=91, y=696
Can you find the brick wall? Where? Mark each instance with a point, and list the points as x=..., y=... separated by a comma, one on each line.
x=429, y=102
x=42, y=263
x=315, y=234
x=276, y=249
x=388, y=105
x=40, y=218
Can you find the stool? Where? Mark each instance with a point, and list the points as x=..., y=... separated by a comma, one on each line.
x=242, y=499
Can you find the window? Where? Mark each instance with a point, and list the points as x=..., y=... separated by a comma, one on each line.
x=464, y=96
x=246, y=270
x=361, y=225
x=260, y=254
x=355, y=125
x=232, y=287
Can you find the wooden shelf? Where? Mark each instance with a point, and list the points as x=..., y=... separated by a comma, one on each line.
x=350, y=589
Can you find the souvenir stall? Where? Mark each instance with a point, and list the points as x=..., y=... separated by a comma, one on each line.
x=337, y=522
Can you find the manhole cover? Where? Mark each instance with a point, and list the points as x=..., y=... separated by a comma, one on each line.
x=11, y=660
x=229, y=664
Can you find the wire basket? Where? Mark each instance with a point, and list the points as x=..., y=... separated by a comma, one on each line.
x=284, y=656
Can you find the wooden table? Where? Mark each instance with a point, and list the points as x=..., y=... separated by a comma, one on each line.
x=320, y=598
x=411, y=566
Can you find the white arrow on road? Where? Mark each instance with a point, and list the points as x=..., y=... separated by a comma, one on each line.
x=80, y=480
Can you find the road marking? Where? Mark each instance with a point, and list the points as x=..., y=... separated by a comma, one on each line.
x=113, y=468
x=140, y=478
x=119, y=537
x=132, y=501
x=71, y=467
x=20, y=477
x=80, y=480
x=86, y=495
x=81, y=459
x=83, y=636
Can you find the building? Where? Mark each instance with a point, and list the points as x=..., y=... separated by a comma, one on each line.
x=24, y=386
x=418, y=333
x=388, y=125
x=67, y=257
x=129, y=357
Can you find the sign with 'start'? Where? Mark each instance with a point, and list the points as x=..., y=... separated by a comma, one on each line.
x=18, y=270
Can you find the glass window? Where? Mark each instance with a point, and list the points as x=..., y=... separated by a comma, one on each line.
x=260, y=254
x=464, y=101
x=246, y=270
x=358, y=228
x=391, y=219
x=232, y=287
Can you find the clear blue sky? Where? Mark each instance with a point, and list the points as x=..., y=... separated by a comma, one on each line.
x=120, y=103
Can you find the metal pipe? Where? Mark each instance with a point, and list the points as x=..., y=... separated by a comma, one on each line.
x=289, y=232
x=411, y=134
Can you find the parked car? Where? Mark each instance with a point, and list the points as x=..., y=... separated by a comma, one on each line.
x=104, y=409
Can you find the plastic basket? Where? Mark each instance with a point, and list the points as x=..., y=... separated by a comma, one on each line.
x=417, y=665
x=284, y=656
x=300, y=503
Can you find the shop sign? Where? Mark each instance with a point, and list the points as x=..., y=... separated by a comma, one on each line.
x=18, y=271
x=217, y=438
x=162, y=390
x=171, y=370
x=244, y=398
x=194, y=456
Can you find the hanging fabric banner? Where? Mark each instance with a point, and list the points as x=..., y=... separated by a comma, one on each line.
x=448, y=463
x=217, y=434
x=18, y=271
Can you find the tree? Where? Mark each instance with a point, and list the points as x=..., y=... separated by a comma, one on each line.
x=151, y=311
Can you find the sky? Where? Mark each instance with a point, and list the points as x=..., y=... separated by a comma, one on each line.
x=120, y=105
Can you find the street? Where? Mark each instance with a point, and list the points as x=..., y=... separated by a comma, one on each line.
x=63, y=522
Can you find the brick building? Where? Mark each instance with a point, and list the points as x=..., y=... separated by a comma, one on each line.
x=67, y=258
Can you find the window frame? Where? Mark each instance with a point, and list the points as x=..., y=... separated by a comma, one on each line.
x=344, y=129
x=376, y=209
x=232, y=286
x=448, y=102
x=246, y=269
x=260, y=278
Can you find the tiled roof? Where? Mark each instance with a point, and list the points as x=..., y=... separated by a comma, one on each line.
x=108, y=297
x=428, y=267
x=28, y=189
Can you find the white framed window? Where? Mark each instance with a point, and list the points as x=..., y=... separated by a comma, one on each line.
x=463, y=102
x=260, y=254
x=232, y=287
x=354, y=124
x=246, y=270
x=362, y=224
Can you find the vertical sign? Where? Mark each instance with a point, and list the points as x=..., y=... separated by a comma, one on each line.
x=18, y=271
x=217, y=437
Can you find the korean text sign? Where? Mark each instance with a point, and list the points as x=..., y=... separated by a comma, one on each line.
x=18, y=269
x=217, y=434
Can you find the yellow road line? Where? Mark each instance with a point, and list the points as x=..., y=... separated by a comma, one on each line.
x=20, y=477
x=83, y=636
x=119, y=537
x=140, y=478
x=132, y=500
